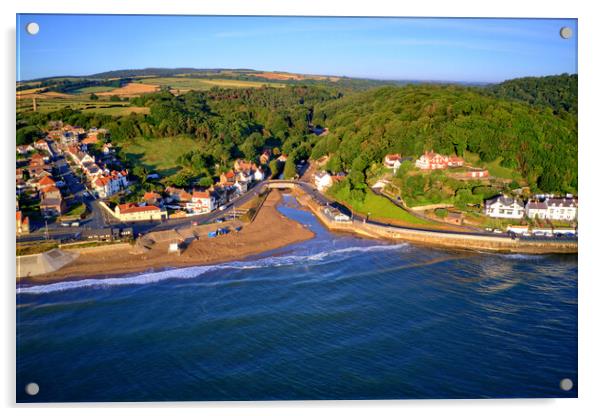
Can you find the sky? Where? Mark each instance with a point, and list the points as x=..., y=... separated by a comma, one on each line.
x=463, y=50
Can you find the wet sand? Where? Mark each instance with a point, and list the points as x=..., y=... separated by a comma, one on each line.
x=270, y=230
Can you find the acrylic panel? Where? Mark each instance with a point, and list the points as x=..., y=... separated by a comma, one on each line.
x=217, y=208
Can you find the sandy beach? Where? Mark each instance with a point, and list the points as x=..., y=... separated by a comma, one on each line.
x=270, y=230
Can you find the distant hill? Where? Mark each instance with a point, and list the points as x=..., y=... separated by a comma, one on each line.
x=557, y=91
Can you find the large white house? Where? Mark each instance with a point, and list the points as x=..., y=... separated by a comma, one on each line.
x=322, y=180
x=502, y=206
x=559, y=209
x=202, y=202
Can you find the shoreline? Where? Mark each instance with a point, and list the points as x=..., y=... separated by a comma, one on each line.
x=269, y=231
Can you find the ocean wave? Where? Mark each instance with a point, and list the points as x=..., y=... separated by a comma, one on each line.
x=196, y=271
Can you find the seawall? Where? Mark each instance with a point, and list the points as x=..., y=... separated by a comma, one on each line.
x=442, y=239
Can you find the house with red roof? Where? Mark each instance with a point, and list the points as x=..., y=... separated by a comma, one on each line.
x=228, y=178
x=431, y=161
x=134, y=212
x=201, y=203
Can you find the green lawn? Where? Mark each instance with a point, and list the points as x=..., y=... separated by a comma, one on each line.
x=379, y=207
x=495, y=169
x=159, y=154
x=81, y=102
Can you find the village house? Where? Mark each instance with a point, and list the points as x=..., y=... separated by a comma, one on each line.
x=323, y=180
x=202, y=203
x=392, y=161
x=50, y=192
x=431, y=161
x=502, y=206
x=52, y=207
x=25, y=149
x=228, y=178
x=134, y=212
x=45, y=182
x=152, y=198
x=241, y=165
x=177, y=195
x=108, y=183
x=557, y=209
x=22, y=223
x=42, y=145
x=37, y=160
x=19, y=174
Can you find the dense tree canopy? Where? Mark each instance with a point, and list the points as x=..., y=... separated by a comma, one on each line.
x=540, y=145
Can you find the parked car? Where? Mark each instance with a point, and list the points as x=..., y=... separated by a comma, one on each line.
x=75, y=224
x=222, y=207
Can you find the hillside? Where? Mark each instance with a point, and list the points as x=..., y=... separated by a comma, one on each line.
x=536, y=143
x=529, y=143
x=557, y=91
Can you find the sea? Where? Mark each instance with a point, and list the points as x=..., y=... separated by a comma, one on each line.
x=335, y=317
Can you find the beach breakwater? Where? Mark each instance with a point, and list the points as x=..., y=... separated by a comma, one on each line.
x=439, y=238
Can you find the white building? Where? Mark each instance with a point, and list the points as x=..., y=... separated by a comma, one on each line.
x=392, y=161
x=322, y=180
x=558, y=209
x=504, y=207
x=202, y=203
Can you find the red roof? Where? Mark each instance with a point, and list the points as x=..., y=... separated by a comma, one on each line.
x=130, y=208
x=230, y=174
x=201, y=195
x=393, y=157
x=151, y=195
x=102, y=181
x=47, y=180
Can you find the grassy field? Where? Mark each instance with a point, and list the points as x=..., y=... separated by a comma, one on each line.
x=80, y=102
x=495, y=169
x=159, y=155
x=98, y=88
x=185, y=83
x=380, y=208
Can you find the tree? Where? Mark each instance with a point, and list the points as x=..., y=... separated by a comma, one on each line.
x=290, y=170
x=93, y=97
x=115, y=98
x=28, y=134
x=274, y=168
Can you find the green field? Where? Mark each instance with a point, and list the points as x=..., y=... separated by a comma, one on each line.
x=379, y=207
x=159, y=155
x=98, y=88
x=495, y=169
x=83, y=103
x=187, y=83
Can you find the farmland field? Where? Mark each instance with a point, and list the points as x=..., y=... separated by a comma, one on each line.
x=80, y=102
x=186, y=83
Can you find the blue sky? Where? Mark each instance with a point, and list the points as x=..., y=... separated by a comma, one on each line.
x=475, y=50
